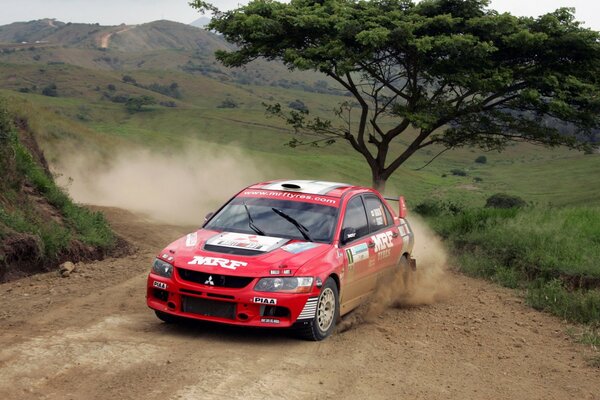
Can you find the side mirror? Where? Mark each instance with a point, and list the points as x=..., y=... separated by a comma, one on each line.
x=348, y=235
x=208, y=216
x=402, y=210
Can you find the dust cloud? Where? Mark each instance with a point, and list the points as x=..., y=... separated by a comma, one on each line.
x=178, y=189
x=426, y=285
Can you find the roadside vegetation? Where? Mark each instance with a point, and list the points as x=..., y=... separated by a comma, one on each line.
x=38, y=221
x=551, y=253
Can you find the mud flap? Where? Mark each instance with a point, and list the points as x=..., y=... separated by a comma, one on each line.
x=413, y=263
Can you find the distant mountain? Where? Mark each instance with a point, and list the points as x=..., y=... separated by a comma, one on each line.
x=162, y=35
x=159, y=45
x=157, y=35
x=55, y=32
x=201, y=22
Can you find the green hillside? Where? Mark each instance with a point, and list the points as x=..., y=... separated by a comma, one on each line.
x=76, y=93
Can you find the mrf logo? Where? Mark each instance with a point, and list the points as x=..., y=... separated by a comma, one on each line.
x=217, y=262
x=383, y=241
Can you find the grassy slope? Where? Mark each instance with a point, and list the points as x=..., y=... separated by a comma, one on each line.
x=39, y=224
x=540, y=175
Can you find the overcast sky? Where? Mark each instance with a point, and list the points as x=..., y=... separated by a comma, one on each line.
x=115, y=12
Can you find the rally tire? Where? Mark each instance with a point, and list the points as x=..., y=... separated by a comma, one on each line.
x=166, y=317
x=328, y=312
x=408, y=276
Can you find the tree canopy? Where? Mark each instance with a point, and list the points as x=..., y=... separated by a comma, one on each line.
x=454, y=71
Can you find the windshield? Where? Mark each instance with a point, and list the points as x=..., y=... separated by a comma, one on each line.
x=318, y=219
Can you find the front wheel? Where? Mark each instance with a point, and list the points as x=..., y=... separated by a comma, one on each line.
x=326, y=315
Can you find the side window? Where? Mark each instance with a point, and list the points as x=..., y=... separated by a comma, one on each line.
x=356, y=218
x=378, y=214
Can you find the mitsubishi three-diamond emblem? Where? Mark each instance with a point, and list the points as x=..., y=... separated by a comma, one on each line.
x=209, y=281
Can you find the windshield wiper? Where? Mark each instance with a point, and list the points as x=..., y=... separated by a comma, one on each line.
x=251, y=222
x=297, y=224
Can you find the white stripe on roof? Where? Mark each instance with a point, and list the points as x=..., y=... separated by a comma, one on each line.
x=312, y=187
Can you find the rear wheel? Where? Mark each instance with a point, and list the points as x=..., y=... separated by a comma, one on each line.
x=165, y=317
x=326, y=315
x=409, y=277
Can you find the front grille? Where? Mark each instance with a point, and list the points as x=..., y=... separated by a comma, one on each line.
x=235, y=282
x=209, y=308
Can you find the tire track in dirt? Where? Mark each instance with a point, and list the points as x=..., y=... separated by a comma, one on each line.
x=91, y=336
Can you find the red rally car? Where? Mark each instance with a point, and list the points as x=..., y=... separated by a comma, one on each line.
x=283, y=254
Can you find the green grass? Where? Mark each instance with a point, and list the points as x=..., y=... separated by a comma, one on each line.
x=574, y=305
x=551, y=252
x=21, y=215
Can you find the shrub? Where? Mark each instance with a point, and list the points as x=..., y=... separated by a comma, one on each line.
x=458, y=172
x=228, y=103
x=111, y=87
x=429, y=208
x=298, y=105
x=135, y=104
x=50, y=90
x=128, y=79
x=503, y=200
x=481, y=160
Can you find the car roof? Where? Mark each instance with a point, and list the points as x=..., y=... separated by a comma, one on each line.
x=332, y=189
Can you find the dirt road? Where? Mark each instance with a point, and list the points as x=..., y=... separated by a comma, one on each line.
x=105, y=38
x=90, y=336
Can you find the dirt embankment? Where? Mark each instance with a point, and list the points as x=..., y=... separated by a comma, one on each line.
x=90, y=336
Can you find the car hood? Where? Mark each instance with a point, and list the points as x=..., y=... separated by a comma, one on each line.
x=240, y=254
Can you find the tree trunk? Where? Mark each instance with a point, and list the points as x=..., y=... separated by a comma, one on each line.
x=378, y=180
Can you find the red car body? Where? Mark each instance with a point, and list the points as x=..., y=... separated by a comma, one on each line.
x=215, y=274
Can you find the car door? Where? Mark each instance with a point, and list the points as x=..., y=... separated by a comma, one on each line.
x=385, y=240
x=358, y=264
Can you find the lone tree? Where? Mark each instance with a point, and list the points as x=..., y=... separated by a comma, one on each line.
x=440, y=72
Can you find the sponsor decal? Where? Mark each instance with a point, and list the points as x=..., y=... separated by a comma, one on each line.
x=299, y=247
x=264, y=300
x=247, y=242
x=191, y=239
x=383, y=241
x=217, y=262
x=357, y=253
x=269, y=320
x=291, y=196
x=160, y=285
x=384, y=254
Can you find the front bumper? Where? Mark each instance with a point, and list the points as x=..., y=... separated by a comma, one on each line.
x=235, y=306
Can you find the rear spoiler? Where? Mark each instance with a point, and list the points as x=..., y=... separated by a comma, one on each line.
x=402, y=210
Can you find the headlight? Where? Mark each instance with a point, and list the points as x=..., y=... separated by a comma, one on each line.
x=159, y=267
x=285, y=284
